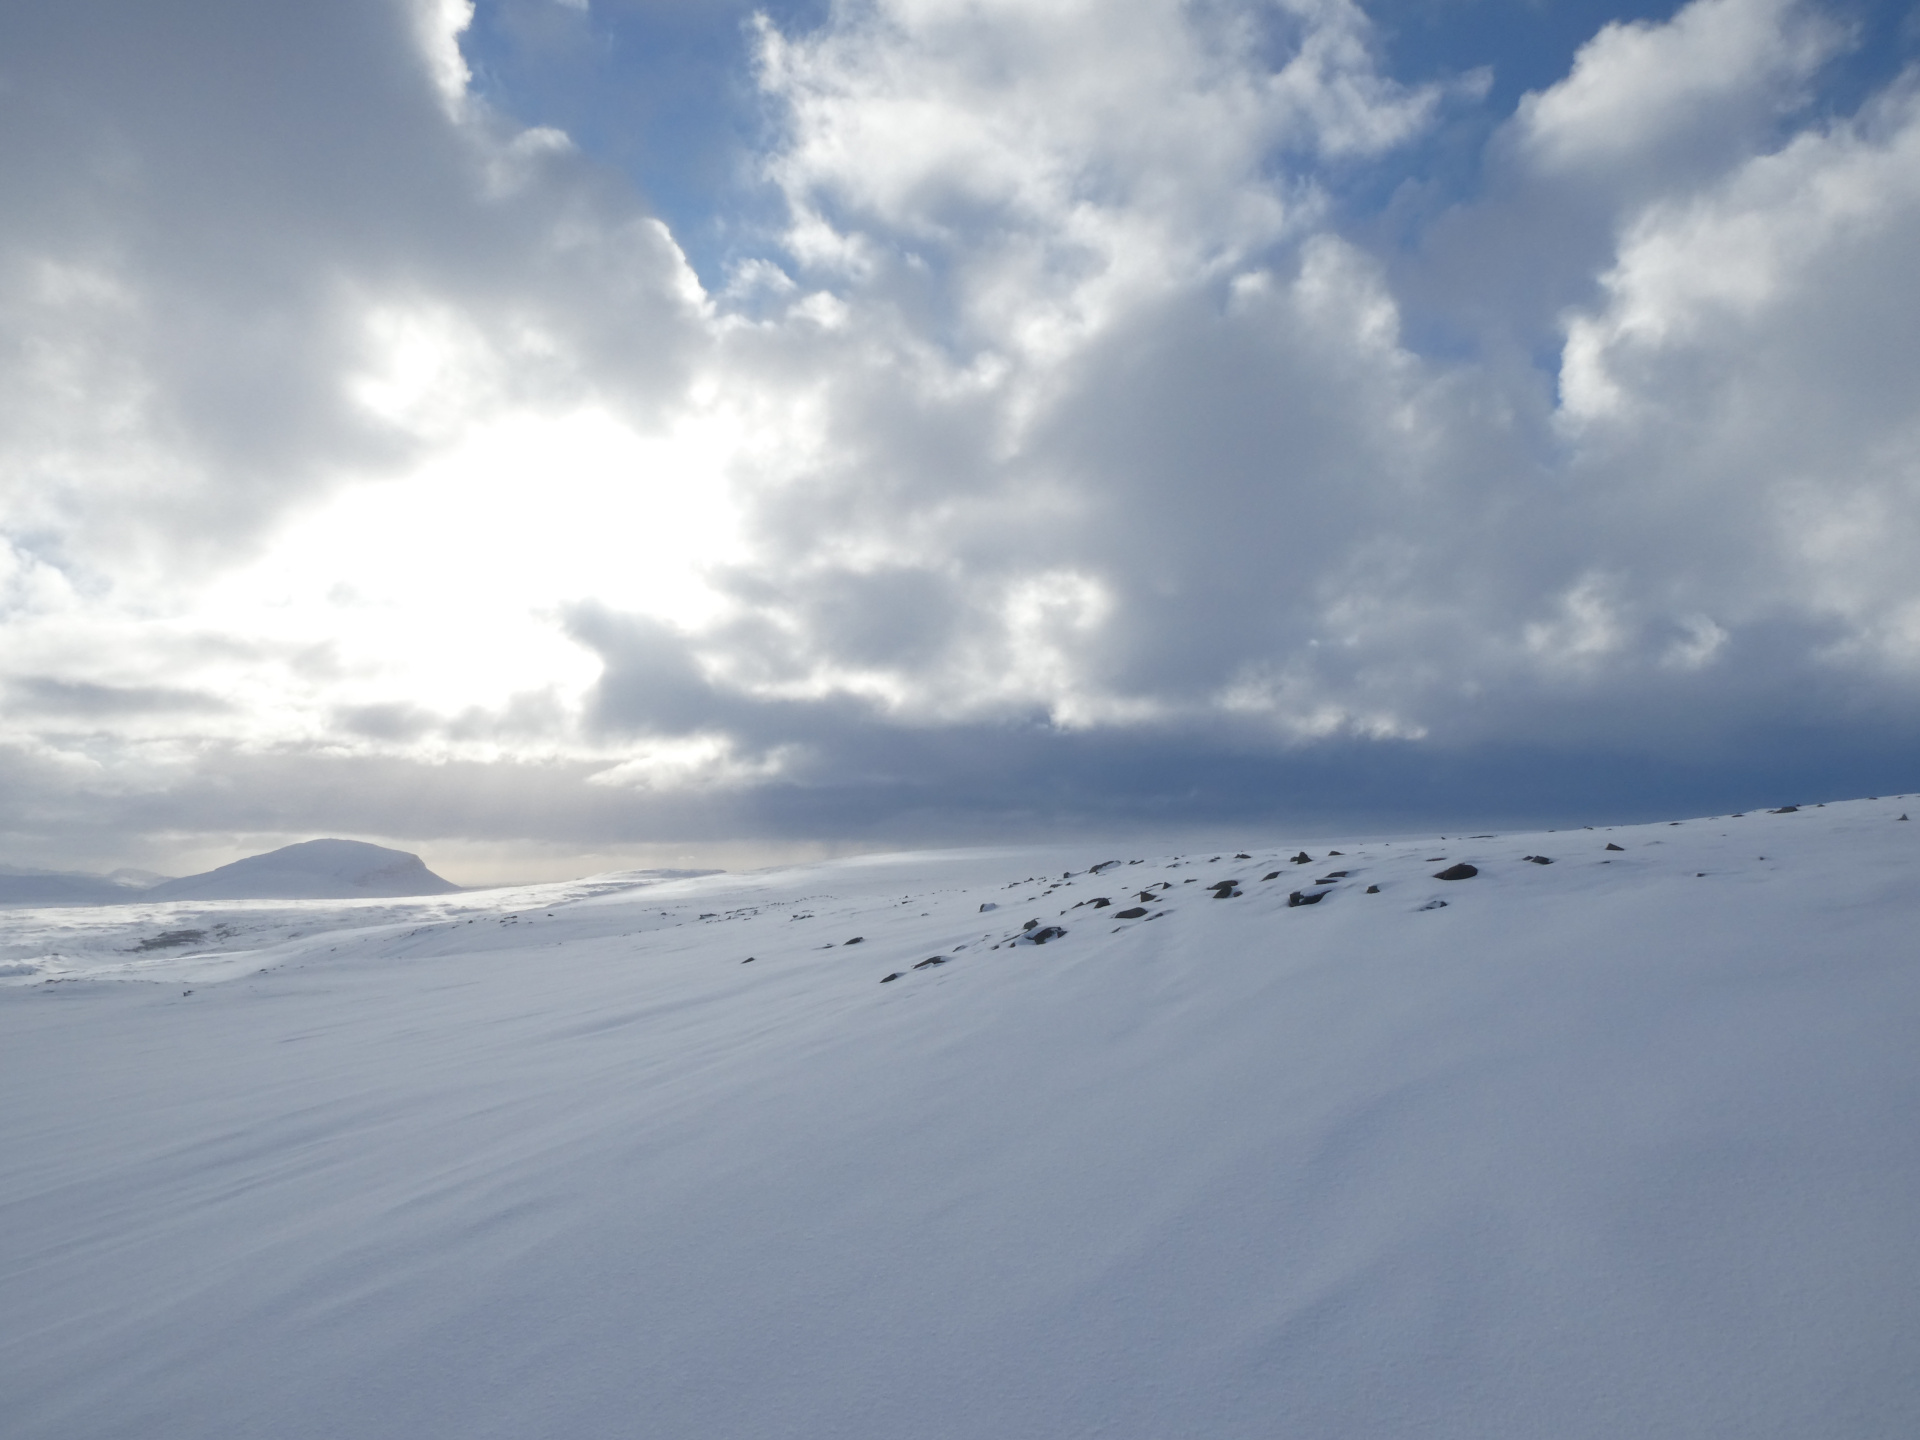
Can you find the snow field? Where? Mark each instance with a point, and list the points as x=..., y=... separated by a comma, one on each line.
x=1608, y=1146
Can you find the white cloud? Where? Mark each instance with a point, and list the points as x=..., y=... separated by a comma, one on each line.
x=1065, y=434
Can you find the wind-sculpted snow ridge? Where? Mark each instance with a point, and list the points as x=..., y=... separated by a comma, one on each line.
x=1580, y=1134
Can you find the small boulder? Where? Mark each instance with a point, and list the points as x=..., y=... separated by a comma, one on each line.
x=1045, y=933
x=1536, y=860
x=1612, y=846
x=1373, y=889
x=931, y=960
x=1462, y=871
x=1302, y=858
x=1133, y=914
x=1786, y=810
x=854, y=941
x=1301, y=897
x=885, y=978
x=1434, y=905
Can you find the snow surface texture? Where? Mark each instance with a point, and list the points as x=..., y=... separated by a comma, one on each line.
x=1622, y=1144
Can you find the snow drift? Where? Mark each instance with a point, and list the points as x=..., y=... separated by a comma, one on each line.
x=1592, y=1142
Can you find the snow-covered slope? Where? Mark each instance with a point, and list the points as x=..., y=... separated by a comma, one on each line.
x=312, y=870
x=1623, y=1144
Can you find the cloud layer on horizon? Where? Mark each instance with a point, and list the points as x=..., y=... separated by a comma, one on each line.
x=1073, y=452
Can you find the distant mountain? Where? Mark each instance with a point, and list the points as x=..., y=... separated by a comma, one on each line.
x=312, y=870
x=20, y=886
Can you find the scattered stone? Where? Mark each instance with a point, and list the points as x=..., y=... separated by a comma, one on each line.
x=1302, y=858
x=987, y=905
x=1535, y=860
x=1046, y=933
x=1100, y=902
x=1243, y=856
x=1301, y=897
x=1373, y=889
x=1332, y=853
x=167, y=939
x=1434, y=905
x=1271, y=875
x=1612, y=846
x=1131, y=914
x=1104, y=865
x=1462, y=871
x=885, y=978
x=1147, y=897
x=747, y=961
x=1333, y=875
x=931, y=960
x=1786, y=810
x=854, y=941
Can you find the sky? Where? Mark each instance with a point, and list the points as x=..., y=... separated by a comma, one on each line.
x=550, y=436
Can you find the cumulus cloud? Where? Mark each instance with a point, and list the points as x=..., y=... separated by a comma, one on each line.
x=1068, y=453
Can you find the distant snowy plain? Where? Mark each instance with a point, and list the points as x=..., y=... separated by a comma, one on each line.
x=1621, y=1145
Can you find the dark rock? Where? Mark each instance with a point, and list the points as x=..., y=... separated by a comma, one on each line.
x=1100, y=902
x=167, y=939
x=1271, y=875
x=1302, y=858
x=931, y=960
x=1046, y=933
x=1299, y=897
x=1103, y=865
x=854, y=941
x=1434, y=905
x=747, y=961
x=1462, y=871
x=1030, y=924
x=1243, y=856
x=1132, y=914
x=1333, y=875
x=885, y=978
x=1786, y=810
x=1147, y=897
x=1903, y=817
x=1536, y=860
x=1373, y=889
x=1332, y=853
x=1612, y=846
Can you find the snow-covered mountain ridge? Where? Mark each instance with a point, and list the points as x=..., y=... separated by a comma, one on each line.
x=1616, y=1144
